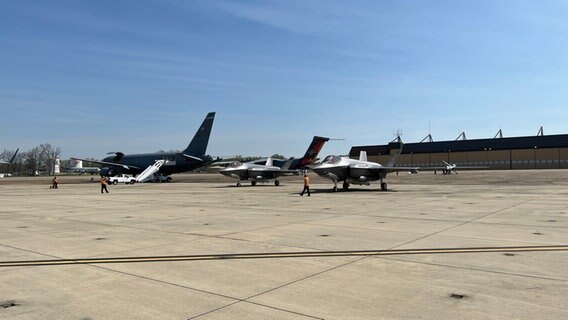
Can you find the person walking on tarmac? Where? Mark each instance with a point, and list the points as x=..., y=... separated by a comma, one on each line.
x=306, y=185
x=54, y=182
x=104, y=182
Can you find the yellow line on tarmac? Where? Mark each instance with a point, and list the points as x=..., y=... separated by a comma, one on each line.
x=276, y=255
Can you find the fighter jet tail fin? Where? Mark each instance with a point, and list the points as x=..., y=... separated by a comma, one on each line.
x=313, y=151
x=395, y=156
x=363, y=156
x=287, y=164
x=198, y=145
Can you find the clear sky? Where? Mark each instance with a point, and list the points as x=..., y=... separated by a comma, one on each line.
x=140, y=75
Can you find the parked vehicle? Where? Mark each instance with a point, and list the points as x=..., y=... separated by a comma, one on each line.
x=160, y=178
x=122, y=178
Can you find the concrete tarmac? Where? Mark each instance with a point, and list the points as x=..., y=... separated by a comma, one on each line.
x=202, y=214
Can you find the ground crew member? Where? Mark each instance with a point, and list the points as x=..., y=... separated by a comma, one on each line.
x=54, y=182
x=306, y=185
x=104, y=182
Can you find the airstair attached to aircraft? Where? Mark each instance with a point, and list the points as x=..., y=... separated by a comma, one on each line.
x=149, y=172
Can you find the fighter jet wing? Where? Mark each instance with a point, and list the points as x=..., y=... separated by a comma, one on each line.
x=394, y=169
x=289, y=172
x=112, y=164
x=187, y=156
x=276, y=172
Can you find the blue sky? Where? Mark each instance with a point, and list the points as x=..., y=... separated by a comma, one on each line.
x=139, y=76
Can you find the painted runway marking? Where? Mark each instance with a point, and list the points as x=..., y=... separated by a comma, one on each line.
x=278, y=255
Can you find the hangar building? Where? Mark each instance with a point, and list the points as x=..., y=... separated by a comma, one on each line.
x=531, y=152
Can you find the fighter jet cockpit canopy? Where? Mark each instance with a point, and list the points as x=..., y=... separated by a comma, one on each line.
x=235, y=164
x=331, y=159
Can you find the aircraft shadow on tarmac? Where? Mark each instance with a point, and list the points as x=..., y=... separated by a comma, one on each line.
x=320, y=191
x=327, y=190
x=246, y=186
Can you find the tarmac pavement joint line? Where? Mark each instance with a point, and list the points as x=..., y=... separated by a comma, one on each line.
x=278, y=255
x=482, y=217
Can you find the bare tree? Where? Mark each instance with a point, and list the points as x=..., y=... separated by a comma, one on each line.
x=48, y=154
x=32, y=160
x=277, y=156
x=6, y=155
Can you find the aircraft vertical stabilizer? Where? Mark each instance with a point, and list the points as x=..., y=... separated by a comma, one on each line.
x=14, y=156
x=313, y=151
x=363, y=156
x=11, y=159
x=287, y=164
x=395, y=156
x=198, y=145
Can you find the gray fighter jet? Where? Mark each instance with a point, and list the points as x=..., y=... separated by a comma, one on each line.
x=162, y=163
x=361, y=172
x=265, y=170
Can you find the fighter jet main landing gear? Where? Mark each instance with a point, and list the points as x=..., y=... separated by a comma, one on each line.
x=384, y=186
x=334, y=185
x=276, y=183
x=238, y=183
x=253, y=183
x=345, y=185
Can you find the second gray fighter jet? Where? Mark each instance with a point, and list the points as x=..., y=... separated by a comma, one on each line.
x=269, y=169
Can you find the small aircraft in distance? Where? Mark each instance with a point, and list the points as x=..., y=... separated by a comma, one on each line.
x=361, y=172
x=163, y=163
x=11, y=159
x=448, y=168
x=264, y=170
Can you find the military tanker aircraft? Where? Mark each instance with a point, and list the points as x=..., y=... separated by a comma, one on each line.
x=162, y=163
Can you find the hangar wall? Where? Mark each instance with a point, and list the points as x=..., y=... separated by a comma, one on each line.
x=535, y=152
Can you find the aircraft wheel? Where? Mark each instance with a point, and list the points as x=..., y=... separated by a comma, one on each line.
x=115, y=182
x=238, y=184
x=345, y=186
x=334, y=189
x=383, y=186
x=132, y=181
x=169, y=179
x=253, y=183
x=276, y=183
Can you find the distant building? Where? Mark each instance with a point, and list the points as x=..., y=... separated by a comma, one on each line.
x=532, y=152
